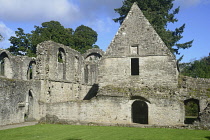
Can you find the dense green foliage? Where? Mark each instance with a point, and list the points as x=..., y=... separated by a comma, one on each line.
x=81, y=39
x=197, y=69
x=69, y=132
x=159, y=13
x=191, y=109
x=21, y=44
x=84, y=38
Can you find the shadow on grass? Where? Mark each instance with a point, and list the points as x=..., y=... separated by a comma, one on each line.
x=73, y=139
x=208, y=137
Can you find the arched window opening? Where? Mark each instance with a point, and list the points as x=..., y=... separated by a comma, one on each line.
x=192, y=110
x=76, y=64
x=61, y=66
x=31, y=70
x=140, y=112
x=61, y=55
x=86, y=74
x=5, y=66
x=2, y=67
x=93, y=57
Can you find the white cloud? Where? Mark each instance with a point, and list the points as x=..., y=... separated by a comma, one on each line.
x=68, y=12
x=6, y=33
x=101, y=24
x=98, y=14
x=38, y=10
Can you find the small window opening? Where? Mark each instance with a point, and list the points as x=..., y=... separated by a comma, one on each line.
x=61, y=55
x=134, y=49
x=2, y=67
x=60, y=59
x=134, y=66
x=30, y=72
x=86, y=74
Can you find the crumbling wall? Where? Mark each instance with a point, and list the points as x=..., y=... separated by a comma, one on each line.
x=57, y=62
x=205, y=117
x=64, y=91
x=13, y=95
x=195, y=88
x=16, y=67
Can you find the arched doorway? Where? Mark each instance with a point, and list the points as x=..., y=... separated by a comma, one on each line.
x=29, y=106
x=192, y=110
x=5, y=66
x=140, y=112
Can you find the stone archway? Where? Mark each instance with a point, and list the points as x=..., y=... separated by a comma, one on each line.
x=140, y=112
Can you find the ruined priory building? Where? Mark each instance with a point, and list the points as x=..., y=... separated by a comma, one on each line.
x=135, y=81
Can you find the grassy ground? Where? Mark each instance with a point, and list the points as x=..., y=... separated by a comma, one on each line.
x=70, y=132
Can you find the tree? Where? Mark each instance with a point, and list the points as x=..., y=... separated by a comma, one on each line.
x=84, y=38
x=54, y=31
x=159, y=13
x=197, y=69
x=25, y=44
x=21, y=44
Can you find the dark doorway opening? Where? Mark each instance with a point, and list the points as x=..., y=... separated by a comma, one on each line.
x=140, y=112
x=192, y=110
x=134, y=66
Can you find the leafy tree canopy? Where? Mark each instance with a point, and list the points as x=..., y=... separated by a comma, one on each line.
x=25, y=44
x=159, y=13
x=84, y=38
x=21, y=44
x=197, y=69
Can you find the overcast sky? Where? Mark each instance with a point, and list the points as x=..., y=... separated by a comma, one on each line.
x=98, y=15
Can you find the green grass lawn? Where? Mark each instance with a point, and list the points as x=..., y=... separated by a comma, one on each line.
x=70, y=132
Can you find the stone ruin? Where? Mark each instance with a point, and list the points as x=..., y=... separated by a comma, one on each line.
x=135, y=81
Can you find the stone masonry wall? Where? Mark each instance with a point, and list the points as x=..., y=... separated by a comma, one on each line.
x=13, y=95
x=153, y=71
x=106, y=109
x=136, y=38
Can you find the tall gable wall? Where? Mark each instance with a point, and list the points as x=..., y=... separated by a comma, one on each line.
x=137, y=31
x=137, y=39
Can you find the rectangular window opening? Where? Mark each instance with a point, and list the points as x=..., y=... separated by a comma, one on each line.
x=134, y=66
x=134, y=49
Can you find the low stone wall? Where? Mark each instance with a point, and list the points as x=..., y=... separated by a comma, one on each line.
x=107, y=109
x=103, y=109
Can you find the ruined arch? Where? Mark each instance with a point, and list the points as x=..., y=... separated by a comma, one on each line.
x=5, y=66
x=31, y=72
x=139, y=112
x=192, y=109
x=93, y=56
x=94, y=51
